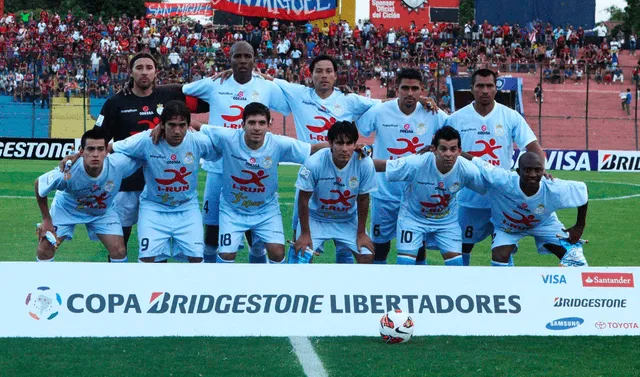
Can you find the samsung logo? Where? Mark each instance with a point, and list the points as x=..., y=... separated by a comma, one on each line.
x=564, y=323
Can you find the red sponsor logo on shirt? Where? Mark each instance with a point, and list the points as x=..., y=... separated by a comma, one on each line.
x=411, y=146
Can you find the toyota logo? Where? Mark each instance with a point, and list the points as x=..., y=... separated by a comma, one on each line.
x=600, y=325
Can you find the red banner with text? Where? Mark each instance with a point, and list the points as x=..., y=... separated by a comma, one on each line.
x=397, y=13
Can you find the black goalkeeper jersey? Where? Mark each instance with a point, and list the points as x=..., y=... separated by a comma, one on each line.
x=123, y=116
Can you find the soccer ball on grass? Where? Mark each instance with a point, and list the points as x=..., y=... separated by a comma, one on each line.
x=396, y=327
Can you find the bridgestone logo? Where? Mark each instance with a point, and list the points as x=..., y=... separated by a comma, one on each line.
x=560, y=302
x=36, y=149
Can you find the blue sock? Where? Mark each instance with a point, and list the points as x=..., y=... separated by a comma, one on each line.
x=45, y=260
x=455, y=261
x=499, y=264
x=379, y=261
x=220, y=260
x=210, y=253
x=258, y=259
x=276, y=262
x=511, y=264
x=123, y=260
x=344, y=257
x=421, y=262
x=466, y=259
x=406, y=260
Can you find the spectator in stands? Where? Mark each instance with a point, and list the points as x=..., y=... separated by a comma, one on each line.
x=626, y=101
x=537, y=94
x=45, y=92
x=632, y=44
x=618, y=74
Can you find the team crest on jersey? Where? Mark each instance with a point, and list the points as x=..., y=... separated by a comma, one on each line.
x=255, y=97
x=338, y=110
x=159, y=109
x=539, y=209
x=67, y=176
x=421, y=129
x=455, y=187
x=353, y=182
x=304, y=172
x=188, y=158
x=108, y=186
x=268, y=162
x=499, y=130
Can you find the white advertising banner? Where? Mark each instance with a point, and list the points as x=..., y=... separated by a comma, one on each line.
x=619, y=161
x=105, y=300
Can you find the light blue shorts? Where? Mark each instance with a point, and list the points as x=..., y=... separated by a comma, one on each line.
x=65, y=223
x=384, y=219
x=544, y=233
x=127, y=204
x=211, y=200
x=411, y=235
x=475, y=224
x=266, y=227
x=344, y=235
x=170, y=234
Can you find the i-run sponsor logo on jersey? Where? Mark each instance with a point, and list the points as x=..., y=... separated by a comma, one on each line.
x=324, y=126
x=339, y=204
x=488, y=149
x=175, y=177
x=564, y=323
x=410, y=146
x=562, y=302
x=251, y=182
x=608, y=279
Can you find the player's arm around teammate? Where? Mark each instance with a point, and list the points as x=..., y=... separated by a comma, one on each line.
x=84, y=197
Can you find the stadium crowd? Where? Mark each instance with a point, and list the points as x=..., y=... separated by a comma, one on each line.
x=49, y=54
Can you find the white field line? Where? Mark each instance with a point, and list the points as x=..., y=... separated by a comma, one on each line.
x=308, y=357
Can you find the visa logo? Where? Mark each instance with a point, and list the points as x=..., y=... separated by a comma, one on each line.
x=554, y=279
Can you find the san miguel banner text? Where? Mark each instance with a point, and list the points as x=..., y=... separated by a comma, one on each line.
x=166, y=10
x=72, y=300
x=294, y=10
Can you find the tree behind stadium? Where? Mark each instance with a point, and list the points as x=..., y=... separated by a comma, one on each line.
x=81, y=8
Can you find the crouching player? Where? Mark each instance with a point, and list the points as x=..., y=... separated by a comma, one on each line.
x=85, y=195
x=429, y=209
x=523, y=203
x=334, y=189
x=249, y=198
x=169, y=209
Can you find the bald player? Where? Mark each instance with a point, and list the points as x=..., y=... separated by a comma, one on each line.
x=523, y=203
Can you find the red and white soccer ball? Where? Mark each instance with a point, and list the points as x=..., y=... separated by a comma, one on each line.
x=396, y=327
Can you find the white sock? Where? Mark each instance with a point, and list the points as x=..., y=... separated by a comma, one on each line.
x=45, y=260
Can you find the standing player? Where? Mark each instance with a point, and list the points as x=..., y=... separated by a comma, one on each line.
x=85, y=195
x=488, y=130
x=249, y=199
x=334, y=189
x=227, y=101
x=316, y=109
x=523, y=203
x=402, y=127
x=169, y=210
x=124, y=115
x=429, y=210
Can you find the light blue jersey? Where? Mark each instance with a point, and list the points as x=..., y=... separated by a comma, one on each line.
x=430, y=196
x=314, y=116
x=398, y=135
x=250, y=177
x=81, y=196
x=170, y=173
x=228, y=99
x=335, y=191
x=512, y=211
